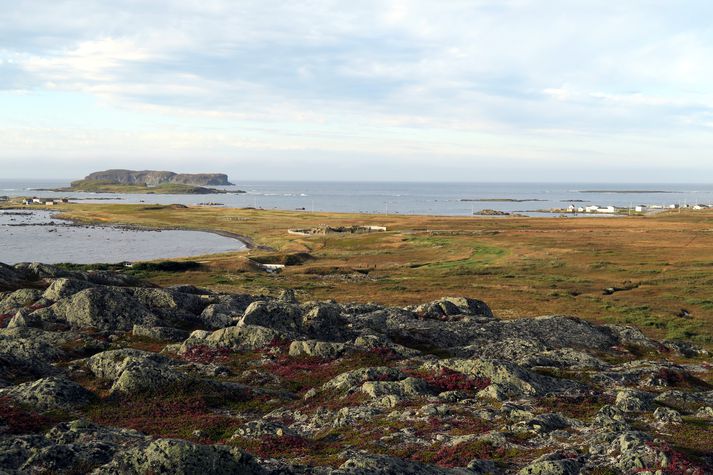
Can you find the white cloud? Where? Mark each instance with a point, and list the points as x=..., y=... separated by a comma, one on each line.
x=491, y=76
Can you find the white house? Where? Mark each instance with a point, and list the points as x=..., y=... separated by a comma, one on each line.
x=640, y=208
x=591, y=209
x=37, y=200
x=608, y=209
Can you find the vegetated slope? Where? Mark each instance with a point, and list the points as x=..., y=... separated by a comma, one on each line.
x=101, y=373
x=99, y=186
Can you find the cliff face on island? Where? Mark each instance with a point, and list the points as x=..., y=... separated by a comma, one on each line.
x=155, y=178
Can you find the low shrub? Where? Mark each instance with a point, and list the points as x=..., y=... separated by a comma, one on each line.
x=5, y=319
x=206, y=354
x=673, y=462
x=18, y=420
x=178, y=417
x=166, y=266
x=450, y=380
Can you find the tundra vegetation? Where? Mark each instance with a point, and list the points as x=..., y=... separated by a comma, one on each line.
x=356, y=358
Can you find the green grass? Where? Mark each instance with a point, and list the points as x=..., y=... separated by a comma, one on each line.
x=98, y=186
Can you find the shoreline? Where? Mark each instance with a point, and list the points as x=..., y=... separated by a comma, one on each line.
x=248, y=243
x=245, y=240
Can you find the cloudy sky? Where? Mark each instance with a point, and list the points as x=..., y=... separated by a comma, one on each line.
x=473, y=90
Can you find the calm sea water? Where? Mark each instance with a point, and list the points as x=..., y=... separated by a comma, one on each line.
x=38, y=237
x=405, y=198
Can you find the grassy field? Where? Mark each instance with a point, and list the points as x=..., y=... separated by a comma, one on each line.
x=660, y=269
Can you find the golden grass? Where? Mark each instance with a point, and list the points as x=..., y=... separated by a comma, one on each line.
x=519, y=266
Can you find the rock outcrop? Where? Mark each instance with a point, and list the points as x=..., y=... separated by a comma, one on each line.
x=154, y=178
x=101, y=373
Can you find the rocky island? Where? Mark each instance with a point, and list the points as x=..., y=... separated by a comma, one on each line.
x=103, y=373
x=150, y=181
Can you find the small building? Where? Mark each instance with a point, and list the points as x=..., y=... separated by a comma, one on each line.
x=37, y=200
x=26, y=202
x=641, y=208
x=591, y=209
x=49, y=203
x=608, y=209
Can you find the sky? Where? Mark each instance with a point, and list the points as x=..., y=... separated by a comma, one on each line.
x=477, y=90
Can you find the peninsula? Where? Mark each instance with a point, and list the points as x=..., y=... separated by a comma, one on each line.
x=150, y=182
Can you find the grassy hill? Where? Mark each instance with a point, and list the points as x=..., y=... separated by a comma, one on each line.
x=99, y=186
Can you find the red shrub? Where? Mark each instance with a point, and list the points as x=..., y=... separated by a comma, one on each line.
x=671, y=377
x=677, y=464
x=18, y=420
x=177, y=417
x=461, y=454
x=293, y=368
x=5, y=319
x=286, y=446
x=206, y=354
x=278, y=344
x=449, y=380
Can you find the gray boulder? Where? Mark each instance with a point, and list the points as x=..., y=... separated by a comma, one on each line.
x=323, y=321
x=665, y=416
x=50, y=394
x=632, y=400
x=453, y=306
x=182, y=458
x=170, y=304
x=321, y=349
x=63, y=287
x=160, y=333
x=18, y=299
x=101, y=308
x=239, y=338
x=134, y=371
x=363, y=464
x=353, y=380
x=282, y=317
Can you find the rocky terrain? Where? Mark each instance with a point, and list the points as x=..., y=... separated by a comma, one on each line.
x=102, y=373
x=155, y=178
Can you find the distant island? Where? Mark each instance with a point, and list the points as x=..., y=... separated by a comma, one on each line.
x=628, y=191
x=150, y=182
x=500, y=200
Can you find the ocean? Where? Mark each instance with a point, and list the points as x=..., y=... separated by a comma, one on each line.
x=452, y=199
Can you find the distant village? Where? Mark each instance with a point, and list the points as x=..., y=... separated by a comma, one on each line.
x=638, y=208
x=44, y=201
